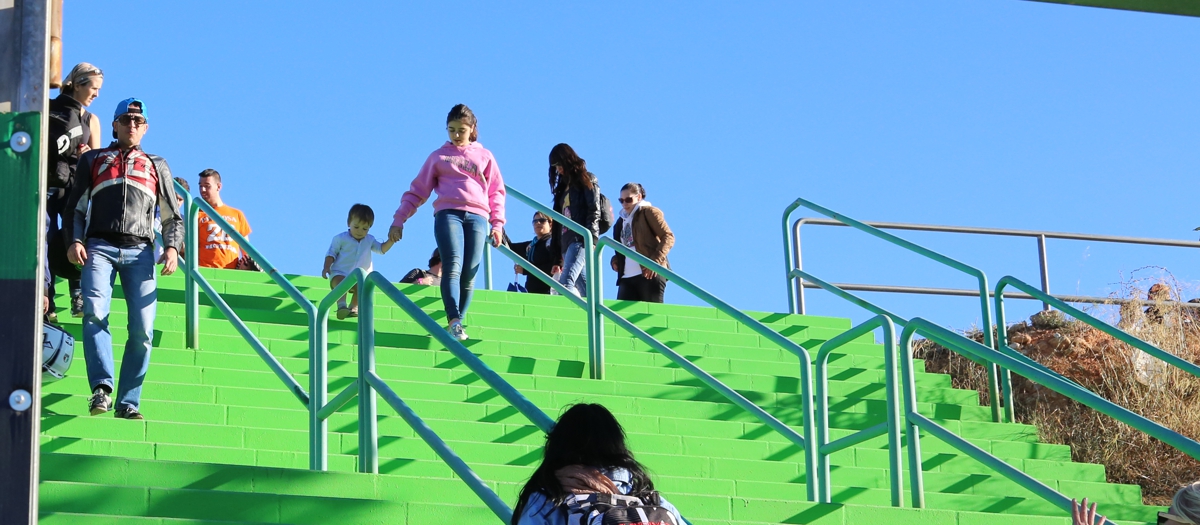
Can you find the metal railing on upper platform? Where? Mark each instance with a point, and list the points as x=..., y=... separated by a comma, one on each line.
x=796, y=286
x=997, y=379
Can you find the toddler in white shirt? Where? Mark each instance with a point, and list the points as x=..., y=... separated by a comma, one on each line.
x=352, y=249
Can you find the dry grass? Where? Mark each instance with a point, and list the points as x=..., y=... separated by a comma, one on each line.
x=1115, y=371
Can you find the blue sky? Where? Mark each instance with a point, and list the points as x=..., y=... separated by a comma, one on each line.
x=997, y=113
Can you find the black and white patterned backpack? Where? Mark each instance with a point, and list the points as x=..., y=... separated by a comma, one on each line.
x=615, y=509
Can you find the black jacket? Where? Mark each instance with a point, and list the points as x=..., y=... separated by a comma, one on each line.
x=116, y=192
x=67, y=131
x=584, y=210
x=542, y=257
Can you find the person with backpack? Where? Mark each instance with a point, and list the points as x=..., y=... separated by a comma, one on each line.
x=577, y=196
x=588, y=476
x=72, y=131
x=469, y=210
x=642, y=228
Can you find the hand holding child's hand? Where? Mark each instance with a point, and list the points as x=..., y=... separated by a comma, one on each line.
x=496, y=237
x=395, y=233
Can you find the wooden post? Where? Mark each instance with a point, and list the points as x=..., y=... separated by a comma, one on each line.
x=24, y=62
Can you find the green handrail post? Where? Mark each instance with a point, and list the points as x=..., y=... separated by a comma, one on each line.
x=994, y=382
x=487, y=264
x=1040, y=375
x=594, y=320
x=1113, y=331
x=191, y=296
x=806, y=384
x=368, y=412
x=892, y=427
x=318, y=369
x=787, y=257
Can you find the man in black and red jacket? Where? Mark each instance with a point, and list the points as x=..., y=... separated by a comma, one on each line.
x=113, y=201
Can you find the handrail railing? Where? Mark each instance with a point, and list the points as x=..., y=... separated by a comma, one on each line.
x=891, y=427
x=915, y=422
x=368, y=283
x=369, y=383
x=1117, y=333
x=191, y=236
x=678, y=359
x=592, y=281
x=859, y=301
x=193, y=277
x=792, y=247
x=810, y=459
x=994, y=374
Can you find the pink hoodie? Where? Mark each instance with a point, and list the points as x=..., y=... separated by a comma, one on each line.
x=465, y=178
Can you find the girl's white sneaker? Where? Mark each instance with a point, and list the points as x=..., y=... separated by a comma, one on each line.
x=457, y=331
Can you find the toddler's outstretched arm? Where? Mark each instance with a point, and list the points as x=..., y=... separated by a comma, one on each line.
x=328, y=263
x=387, y=245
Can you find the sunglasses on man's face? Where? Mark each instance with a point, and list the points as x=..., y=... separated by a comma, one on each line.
x=132, y=120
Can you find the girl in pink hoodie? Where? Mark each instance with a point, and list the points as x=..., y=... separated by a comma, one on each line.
x=469, y=209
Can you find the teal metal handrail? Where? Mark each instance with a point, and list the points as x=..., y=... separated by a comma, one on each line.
x=1117, y=333
x=806, y=396
x=369, y=383
x=859, y=301
x=995, y=376
x=914, y=422
x=193, y=278
x=891, y=427
x=368, y=432
x=592, y=281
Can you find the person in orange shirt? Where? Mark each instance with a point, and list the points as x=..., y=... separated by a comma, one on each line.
x=218, y=249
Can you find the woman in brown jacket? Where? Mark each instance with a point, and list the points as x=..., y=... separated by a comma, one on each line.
x=642, y=228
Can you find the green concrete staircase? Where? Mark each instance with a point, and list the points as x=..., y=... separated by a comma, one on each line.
x=224, y=442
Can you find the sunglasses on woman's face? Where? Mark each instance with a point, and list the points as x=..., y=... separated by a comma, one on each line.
x=540, y=221
x=626, y=200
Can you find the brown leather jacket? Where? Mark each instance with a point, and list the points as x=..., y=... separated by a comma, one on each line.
x=651, y=236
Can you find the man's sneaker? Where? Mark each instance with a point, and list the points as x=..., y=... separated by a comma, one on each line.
x=457, y=331
x=99, y=402
x=51, y=317
x=77, y=305
x=343, y=312
x=354, y=312
x=128, y=413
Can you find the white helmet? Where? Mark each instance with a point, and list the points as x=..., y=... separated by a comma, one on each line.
x=58, y=351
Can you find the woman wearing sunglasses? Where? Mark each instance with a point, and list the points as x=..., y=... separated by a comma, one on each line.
x=1184, y=509
x=642, y=228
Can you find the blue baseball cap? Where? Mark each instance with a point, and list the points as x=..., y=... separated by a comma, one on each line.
x=131, y=105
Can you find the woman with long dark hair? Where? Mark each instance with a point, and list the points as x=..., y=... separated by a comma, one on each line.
x=469, y=210
x=577, y=196
x=585, y=452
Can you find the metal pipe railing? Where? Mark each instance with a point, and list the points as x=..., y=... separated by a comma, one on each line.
x=792, y=248
x=1078, y=314
x=754, y=325
x=915, y=422
x=891, y=427
x=369, y=383
x=997, y=379
x=592, y=280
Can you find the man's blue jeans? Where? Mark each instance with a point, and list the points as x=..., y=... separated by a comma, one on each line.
x=573, y=275
x=136, y=268
x=460, y=239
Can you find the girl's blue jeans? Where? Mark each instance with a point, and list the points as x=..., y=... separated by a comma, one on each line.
x=461, y=237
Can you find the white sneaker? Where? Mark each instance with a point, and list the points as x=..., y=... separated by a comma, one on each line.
x=457, y=331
